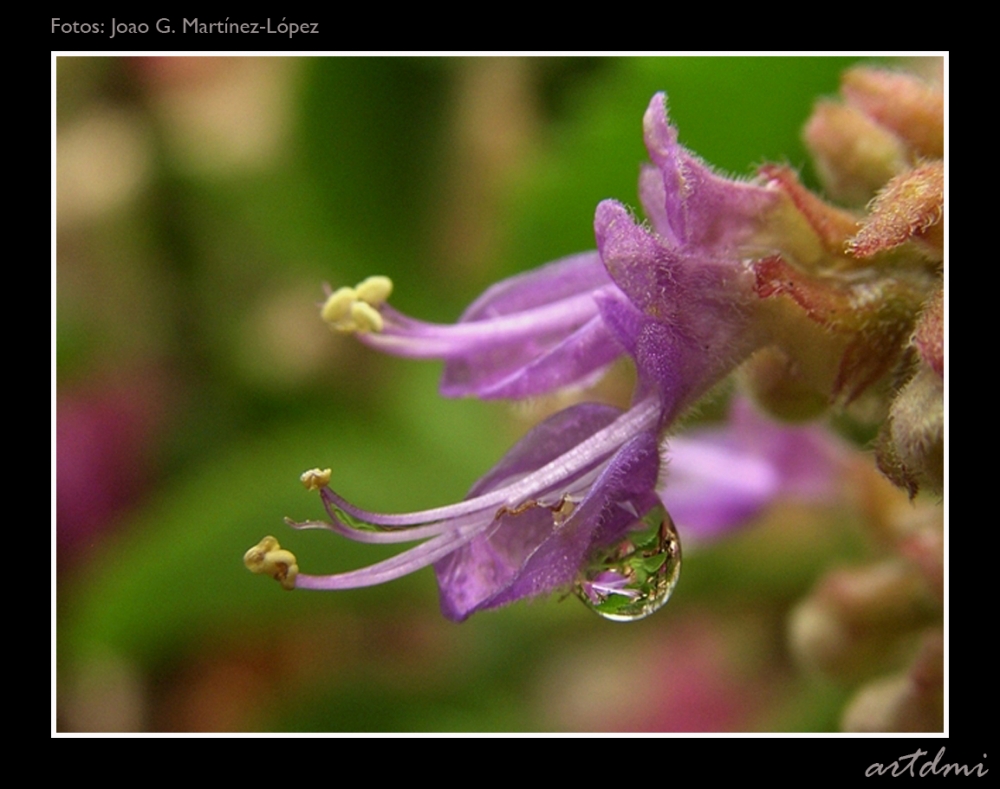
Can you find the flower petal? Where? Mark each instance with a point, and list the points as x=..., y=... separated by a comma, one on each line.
x=694, y=326
x=569, y=276
x=524, y=370
x=701, y=209
x=545, y=442
x=547, y=360
x=534, y=549
x=720, y=478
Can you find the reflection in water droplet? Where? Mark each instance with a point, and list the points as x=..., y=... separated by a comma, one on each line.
x=635, y=577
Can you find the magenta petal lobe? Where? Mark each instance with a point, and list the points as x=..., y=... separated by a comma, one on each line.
x=537, y=548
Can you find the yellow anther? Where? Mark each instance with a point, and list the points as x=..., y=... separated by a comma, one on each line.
x=316, y=478
x=355, y=309
x=365, y=317
x=338, y=305
x=374, y=290
x=269, y=558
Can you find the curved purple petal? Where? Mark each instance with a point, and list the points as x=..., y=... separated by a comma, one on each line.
x=545, y=442
x=548, y=360
x=712, y=487
x=569, y=276
x=653, y=198
x=701, y=209
x=529, y=369
x=720, y=478
x=694, y=326
x=535, y=549
x=806, y=457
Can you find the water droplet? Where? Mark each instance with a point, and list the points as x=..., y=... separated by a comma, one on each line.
x=635, y=577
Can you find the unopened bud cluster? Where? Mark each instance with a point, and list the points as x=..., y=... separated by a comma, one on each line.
x=880, y=624
x=860, y=316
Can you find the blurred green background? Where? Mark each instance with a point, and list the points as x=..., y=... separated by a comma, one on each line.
x=201, y=203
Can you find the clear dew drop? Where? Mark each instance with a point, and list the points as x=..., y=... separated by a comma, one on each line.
x=635, y=577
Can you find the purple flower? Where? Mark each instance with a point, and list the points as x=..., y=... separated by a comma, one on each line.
x=676, y=296
x=575, y=502
x=721, y=477
x=689, y=279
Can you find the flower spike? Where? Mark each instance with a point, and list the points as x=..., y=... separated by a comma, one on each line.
x=816, y=303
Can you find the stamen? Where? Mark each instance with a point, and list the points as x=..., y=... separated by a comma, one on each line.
x=395, y=567
x=316, y=478
x=355, y=309
x=375, y=290
x=373, y=534
x=365, y=317
x=405, y=336
x=563, y=474
x=555, y=486
x=269, y=558
x=338, y=305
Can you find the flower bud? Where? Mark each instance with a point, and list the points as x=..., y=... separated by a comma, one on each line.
x=928, y=338
x=903, y=103
x=854, y=620
x=853, y=154
x=778, y=385
x=909, y=207
x=910, y=702
x=910, y=445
